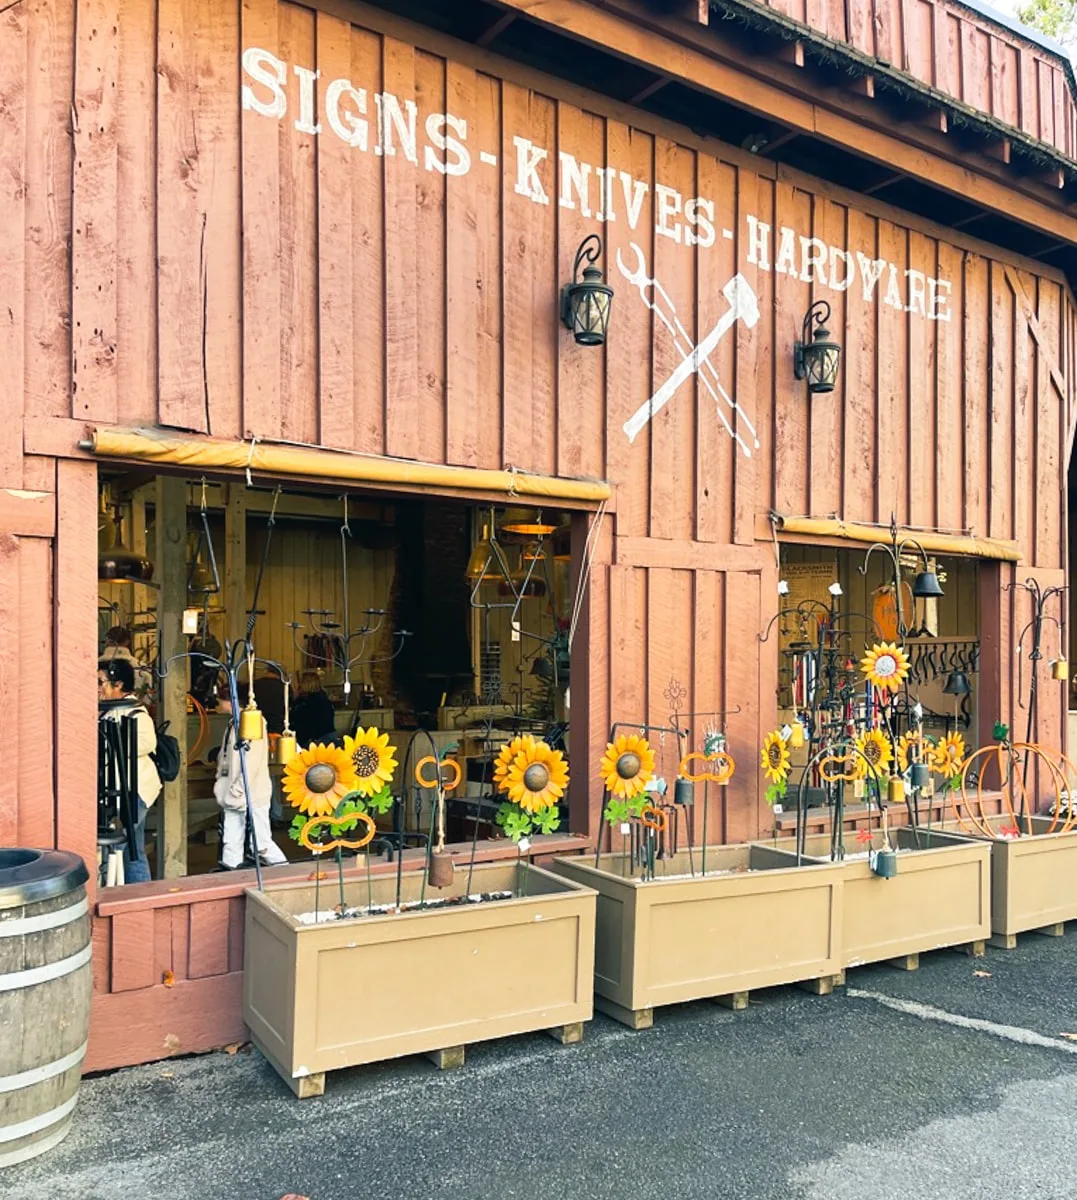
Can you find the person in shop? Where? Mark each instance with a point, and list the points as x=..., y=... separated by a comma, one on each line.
x=117, y=697
x=118, y=644
x=313, y=715
x=229, y=793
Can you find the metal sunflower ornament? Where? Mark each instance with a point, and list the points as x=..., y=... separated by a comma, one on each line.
x=318, y=778
x=775, y=757
x=533, y=777
x=949, y=756
x=522, y=743
x=372, y=760
x=913, y=747
x=627, y=766
x=875, y=754
x=537, y=777
x=886, y=666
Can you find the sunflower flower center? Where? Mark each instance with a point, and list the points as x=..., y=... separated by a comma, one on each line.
x=536, y=777
x=365, y=759
x=872, y=753
x=774, y=755
x=628, y=765
x=320, y=778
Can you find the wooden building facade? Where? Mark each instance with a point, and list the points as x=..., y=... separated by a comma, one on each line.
x=266, y=222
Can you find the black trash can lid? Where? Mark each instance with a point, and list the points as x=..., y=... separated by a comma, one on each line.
x=27, y=876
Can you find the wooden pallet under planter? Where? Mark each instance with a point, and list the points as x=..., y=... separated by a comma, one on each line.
x=321, y=997
x=761, y=923
x=1033, y=878
x=939, y=897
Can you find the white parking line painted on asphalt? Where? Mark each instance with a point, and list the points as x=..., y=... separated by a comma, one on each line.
x=927, y=1012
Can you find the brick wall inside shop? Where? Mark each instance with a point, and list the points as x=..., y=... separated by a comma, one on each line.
x=434, y=604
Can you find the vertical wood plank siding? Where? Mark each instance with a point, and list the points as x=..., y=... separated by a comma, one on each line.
x=958, y=52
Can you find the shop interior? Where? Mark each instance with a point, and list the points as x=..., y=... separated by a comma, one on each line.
x=835, y=605
x=409, y=614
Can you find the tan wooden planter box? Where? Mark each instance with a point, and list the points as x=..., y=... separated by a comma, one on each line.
x=319, y=997
x=1033, y=878
x=671, y=940
x=940, y=896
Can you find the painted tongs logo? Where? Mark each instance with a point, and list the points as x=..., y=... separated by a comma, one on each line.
x=717, y=767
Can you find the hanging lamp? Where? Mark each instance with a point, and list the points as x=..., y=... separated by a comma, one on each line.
x=115, y=562
x=526, y=522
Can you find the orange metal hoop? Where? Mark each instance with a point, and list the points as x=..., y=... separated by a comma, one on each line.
x=654, y=818
x=422, y=781
x=342, y=842
x=723, y=761
x=839, y=760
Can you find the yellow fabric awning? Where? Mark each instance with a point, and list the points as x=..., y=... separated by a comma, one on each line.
x=311, y=462
x=933, y=543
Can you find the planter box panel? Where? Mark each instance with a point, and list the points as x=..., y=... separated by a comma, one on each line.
x=940, y=896
x=1033, y=878
x=759, y=924
x=464, y=994
x=269, y=983
x=342, y=993
x=613, y=941
x=736, y=935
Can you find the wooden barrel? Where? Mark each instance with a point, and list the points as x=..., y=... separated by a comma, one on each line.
x=45, y=984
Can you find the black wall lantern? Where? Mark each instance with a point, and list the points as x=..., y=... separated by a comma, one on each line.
x=585, y=303
x=817, y=360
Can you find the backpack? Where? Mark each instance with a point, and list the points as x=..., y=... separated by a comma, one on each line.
x=166, y=758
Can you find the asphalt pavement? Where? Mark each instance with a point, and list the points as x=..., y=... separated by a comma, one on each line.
x=954, y=1081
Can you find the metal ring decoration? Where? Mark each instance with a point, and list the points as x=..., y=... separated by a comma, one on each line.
x=723, y=774
x=422, y=781
x=340, y=842
x=848, y=761
x=654, y=818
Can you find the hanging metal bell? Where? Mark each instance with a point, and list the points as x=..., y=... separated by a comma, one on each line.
x=796, y=735
x=1060, y=670
x=441, y=869
x=919, y=775
x=895, y=790
x=684, y=792
x=251, y=724
x=926, y=585
x=957, y=684
x=883, y=862
x=287, y=748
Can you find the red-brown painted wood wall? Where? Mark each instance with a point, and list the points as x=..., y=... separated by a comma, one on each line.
x=959, y=53
x=361, y=302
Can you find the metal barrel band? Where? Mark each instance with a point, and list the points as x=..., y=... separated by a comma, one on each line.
x=43, y=921
x=13, y=1083
x=54, y=970
x=12, y=1158
x=11, y=1133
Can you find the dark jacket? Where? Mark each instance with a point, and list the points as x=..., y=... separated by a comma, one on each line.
x=313, y=718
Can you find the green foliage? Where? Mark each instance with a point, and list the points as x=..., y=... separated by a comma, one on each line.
x=1055, y=18
x=380, y=802
x=618, y=810
x=354, y=802
x=519, y=824
x=777, y=791
x=547, y=820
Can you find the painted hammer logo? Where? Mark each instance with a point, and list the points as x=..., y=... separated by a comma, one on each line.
x=695, y=358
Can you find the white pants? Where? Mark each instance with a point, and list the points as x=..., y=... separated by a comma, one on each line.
x=233, y=835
